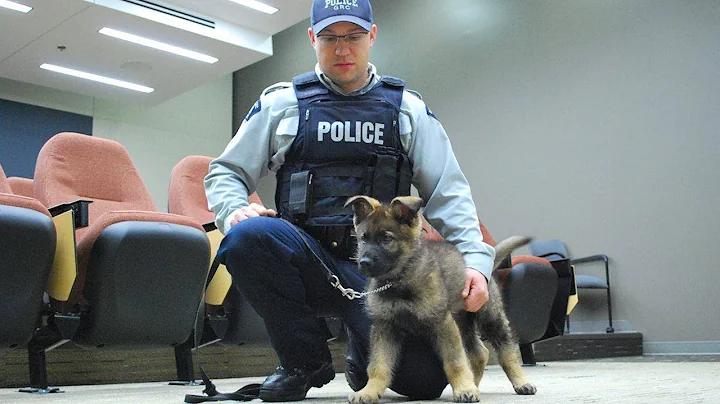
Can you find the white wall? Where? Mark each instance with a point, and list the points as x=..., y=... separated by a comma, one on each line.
x=158, y=137
x=595, y=122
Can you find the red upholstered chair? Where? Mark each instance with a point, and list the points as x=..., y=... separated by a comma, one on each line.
x=21, y=186
x=528, y=285
x=140, y=272
x=27, y=248
x=186, y=196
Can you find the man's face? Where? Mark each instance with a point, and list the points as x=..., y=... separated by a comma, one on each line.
x=346, y=62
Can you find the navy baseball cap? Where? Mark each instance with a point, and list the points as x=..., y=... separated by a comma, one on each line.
x=327, y=12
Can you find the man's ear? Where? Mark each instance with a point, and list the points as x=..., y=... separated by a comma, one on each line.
x=362, y=206
x=311, y=34
x=405, y=208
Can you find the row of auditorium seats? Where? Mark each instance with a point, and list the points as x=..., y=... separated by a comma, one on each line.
x=86, y=257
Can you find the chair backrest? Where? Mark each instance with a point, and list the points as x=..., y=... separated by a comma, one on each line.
x=186, y=195
x=552, y=250
x=72, y=166
x=21, y=186
x=430, y=233
x=12, y=198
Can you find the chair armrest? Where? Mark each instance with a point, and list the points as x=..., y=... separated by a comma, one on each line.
x=67, y=217
x=594, y=258
x=221, y=281
x=79, y=208
x=591, y=258
x=64, y=268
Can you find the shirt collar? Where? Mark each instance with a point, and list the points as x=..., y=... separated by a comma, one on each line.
x=373, y=78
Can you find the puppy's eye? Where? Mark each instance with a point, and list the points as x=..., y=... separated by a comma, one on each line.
x=388, y=238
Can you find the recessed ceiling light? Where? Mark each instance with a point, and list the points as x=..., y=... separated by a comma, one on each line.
x=256, y=5
x=95, y=77
x=15, y=6
x=158, y=45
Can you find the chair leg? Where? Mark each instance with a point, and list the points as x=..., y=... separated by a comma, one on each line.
x=610, y=328
x=38, y=370
x=184, y=364
x=528, y=355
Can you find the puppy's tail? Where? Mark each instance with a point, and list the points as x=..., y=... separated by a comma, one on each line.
x=505, y=247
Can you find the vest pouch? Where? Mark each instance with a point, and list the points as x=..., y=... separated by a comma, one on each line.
x=390, y=176
x=384, y=177
x=300, y=195
x=404, y=175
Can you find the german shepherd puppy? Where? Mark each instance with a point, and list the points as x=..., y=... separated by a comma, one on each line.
x=426, y=279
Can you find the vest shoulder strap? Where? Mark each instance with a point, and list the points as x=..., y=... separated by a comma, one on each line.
x=393, y=88
x=393, y=81
x=308, y=85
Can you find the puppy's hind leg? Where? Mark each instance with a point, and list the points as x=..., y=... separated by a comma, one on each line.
x=455, y=361
x=496, y=329
x=476, y=351
x=384, y=352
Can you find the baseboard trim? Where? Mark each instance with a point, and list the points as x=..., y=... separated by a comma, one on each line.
x=598, y=326
x=682, y=348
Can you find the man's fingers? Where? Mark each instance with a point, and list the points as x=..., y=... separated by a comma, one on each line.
x=475, y=292
x=249, y=212
x=475, y=300
x=466, y=290
x=261, y=210
x=252, y=210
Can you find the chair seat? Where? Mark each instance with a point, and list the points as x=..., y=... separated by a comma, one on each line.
x=23, y=202
x=87, y=239
x=590, y=282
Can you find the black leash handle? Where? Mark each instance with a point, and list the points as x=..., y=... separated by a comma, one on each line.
x=245, y=393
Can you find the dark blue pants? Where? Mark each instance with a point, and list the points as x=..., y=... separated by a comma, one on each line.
x=281, y=279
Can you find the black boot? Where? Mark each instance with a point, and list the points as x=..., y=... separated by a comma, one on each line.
x=355, y=363
x=293, y=384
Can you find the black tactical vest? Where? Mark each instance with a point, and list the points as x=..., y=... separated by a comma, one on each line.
x=345, y=146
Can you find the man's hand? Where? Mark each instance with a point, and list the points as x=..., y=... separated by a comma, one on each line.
x=252, y=210
x=475, y=292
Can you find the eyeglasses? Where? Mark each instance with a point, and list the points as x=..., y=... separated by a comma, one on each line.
x=334, y=40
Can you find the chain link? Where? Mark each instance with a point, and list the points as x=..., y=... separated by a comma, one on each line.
x=351, y=294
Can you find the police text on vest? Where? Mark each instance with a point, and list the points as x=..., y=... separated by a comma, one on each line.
x=365, y=132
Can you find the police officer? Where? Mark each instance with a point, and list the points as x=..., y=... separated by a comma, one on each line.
x=338, y=131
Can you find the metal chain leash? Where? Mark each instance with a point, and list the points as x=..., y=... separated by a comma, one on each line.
x=351, y=294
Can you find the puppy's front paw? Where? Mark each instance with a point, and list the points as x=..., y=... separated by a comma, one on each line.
x=466, y=396
x=526, y=389
x=364, y=397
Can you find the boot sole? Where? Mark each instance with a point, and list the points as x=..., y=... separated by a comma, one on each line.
x=320, y=378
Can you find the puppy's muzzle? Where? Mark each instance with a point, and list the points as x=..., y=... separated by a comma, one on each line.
x=370, y=265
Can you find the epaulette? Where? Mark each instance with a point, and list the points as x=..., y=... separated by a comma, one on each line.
x=278, y=86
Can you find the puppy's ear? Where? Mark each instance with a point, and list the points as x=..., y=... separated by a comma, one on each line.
x=362, y=206
x=405, y=209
